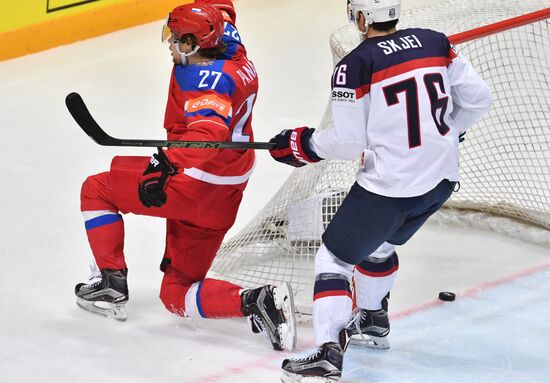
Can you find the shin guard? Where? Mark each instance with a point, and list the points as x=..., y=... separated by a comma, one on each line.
x=374, y=280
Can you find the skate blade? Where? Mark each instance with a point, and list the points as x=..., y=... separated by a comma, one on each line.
x=370, y=341
x=287, y=377
x=284, y=300
x=109, y=310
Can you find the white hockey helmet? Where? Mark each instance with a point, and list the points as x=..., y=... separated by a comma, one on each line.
x=375, y=11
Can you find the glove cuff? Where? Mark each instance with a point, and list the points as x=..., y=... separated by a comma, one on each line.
x=308, y=151
x=299, y=143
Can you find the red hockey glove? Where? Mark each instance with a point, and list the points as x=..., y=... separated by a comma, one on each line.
x=154, y=180
x=292, y=147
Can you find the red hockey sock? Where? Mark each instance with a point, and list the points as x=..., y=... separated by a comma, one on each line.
x=219, y=299
x=209, y=298
x=106, y=238
x=104, y=227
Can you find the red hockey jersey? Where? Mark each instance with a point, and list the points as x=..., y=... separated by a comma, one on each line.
x=212, y=102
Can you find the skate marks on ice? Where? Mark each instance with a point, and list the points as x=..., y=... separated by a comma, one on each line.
x=494, y=332
x=500, y=334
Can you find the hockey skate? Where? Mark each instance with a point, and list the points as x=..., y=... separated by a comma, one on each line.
x=323, y=366
x=270, y=310
x=106, y=296
x=370, y=328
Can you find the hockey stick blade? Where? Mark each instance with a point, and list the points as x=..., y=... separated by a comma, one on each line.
x=84, y=119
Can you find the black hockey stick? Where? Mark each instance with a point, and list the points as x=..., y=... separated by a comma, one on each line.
x=82, y=116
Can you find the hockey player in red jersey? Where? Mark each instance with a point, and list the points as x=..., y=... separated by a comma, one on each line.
x=402, y=100
x=198, y=191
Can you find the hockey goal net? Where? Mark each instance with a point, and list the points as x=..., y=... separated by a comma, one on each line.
x=505, y=160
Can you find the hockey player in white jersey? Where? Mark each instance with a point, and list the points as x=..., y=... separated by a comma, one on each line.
x=402, y=100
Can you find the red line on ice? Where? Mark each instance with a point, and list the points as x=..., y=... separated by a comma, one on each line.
x=266, y=362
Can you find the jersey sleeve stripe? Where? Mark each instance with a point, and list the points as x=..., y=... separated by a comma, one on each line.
x=453, y=53
x=410, y=66
x=362, y=90
x=210, y=178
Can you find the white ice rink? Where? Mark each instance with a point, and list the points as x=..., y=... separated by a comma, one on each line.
x=498, y=329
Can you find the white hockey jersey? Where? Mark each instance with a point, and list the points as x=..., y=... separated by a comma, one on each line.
x=401, y=101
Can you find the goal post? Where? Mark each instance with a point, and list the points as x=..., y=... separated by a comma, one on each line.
x=505, y=160
x=500, y=26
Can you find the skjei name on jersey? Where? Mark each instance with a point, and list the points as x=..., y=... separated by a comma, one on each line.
x=401, y=43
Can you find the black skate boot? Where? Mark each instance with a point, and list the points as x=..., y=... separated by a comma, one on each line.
x=106, y=296
x=324, y=365
x=270, y=310
x=371, y=327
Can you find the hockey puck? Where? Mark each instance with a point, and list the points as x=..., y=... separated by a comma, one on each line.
x=447, y=296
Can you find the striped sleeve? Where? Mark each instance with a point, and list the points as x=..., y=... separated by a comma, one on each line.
x=350, y=103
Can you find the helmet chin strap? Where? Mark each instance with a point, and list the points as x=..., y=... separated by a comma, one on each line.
x=185, y=55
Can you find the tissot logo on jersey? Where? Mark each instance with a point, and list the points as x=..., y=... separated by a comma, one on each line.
x=344, y=95
x=212, y=102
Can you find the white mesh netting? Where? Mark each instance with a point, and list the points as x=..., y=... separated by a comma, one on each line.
x=505, y=160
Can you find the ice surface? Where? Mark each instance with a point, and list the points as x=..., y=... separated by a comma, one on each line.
x=497, y=334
